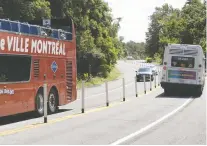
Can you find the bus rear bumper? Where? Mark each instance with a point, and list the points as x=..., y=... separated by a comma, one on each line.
x=168, y=85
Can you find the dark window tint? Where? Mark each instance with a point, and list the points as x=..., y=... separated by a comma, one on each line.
x=186, y=62
x=14, y=68
x=144, y=70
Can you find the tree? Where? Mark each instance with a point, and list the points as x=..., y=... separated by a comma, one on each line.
x=169, y=25
x=194, y=14
x=152, y=36
x=136, y=50
x=25, y=10
x=98, y=45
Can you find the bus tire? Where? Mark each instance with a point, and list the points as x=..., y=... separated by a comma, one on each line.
x=167, y=91
x=52, y=101
x=39, y=104
x=199, y=91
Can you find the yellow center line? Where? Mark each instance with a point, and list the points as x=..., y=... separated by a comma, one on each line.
x=32, y=126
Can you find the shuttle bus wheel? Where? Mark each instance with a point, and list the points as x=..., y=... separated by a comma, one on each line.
x=167, y=91
x=52, y=101
x=199, y=91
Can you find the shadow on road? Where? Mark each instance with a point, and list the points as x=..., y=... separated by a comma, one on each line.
x=179, y=94
x=23, y=117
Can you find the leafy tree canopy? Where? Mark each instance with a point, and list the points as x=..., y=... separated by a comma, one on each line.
x=170, y=25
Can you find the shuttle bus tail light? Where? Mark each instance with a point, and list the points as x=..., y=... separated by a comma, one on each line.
x=164, y=67
x=164, y=72
x=199, y=75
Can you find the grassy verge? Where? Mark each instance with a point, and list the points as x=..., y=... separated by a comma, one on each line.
x=115, y=74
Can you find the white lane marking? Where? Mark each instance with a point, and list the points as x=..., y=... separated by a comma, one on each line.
x=152, y=124
x=104, y=92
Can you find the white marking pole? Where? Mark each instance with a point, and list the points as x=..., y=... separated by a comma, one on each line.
x=107, y=94
x=123, y=89
x=136, y=86
x=158, y=78
x=83, y=98
x=150, y=83
x=122, y=140
x=45, y=102
x=155, y=81
x=94, y=95
x=145, y=84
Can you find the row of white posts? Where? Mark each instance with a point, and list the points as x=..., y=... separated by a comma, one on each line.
x=106, y=90
x=145, y=89
x=124, y=95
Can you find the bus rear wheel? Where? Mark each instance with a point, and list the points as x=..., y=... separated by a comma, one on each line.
x=39, y=104
x=52, y=101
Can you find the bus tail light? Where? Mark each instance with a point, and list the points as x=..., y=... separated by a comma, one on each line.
x=164, y=68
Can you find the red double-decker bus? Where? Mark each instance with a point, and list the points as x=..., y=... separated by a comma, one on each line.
x=31, y=55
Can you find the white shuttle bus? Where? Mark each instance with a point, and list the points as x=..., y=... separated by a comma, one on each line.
x=183, y=68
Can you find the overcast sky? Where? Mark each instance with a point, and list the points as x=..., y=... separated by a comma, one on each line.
x=135, y=15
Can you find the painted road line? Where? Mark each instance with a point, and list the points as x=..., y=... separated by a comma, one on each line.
x=122, y=140
x=37, y=125
x=32, y=126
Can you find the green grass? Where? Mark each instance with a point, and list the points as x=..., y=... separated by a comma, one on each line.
x=114, y=74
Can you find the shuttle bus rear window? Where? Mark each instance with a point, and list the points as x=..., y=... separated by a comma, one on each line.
x=179, y=61
x=14, y=68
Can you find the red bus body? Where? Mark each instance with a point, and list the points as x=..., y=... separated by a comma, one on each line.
x=29, y=61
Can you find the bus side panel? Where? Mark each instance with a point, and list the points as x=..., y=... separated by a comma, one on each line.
x=16, y=103
x=37, y=79
x=56, y=77
x=62, y=82
x=20, y=98
x=74, y=96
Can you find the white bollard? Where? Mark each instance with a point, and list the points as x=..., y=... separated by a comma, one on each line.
x=107, y=94
x=158, y=78
x=150, y=83
x=145, y=85
x=155, y=82
x=123, y=89
x=83, y=98
x=45, y=102
x=136, y=86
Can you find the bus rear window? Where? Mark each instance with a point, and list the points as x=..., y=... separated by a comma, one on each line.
x=14, y=68
x=179, y=61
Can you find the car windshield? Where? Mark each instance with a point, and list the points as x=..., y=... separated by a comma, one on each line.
x=144, y=70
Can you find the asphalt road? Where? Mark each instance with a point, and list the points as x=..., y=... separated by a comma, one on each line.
x=132, y=118
x=186, y=128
